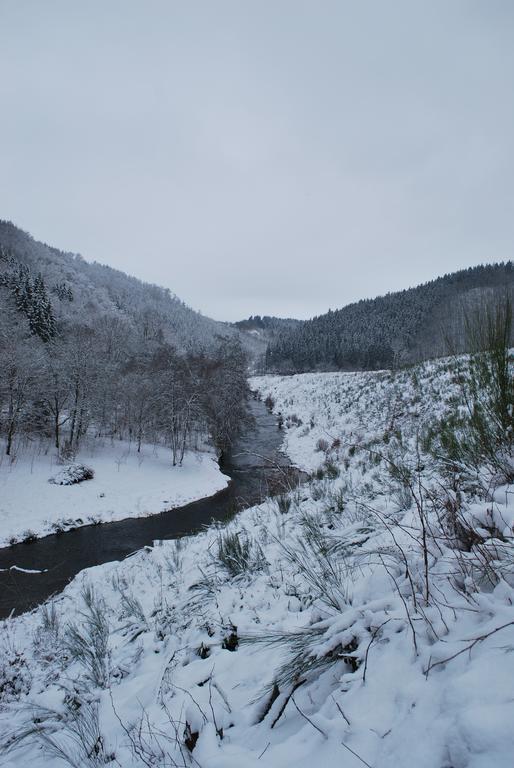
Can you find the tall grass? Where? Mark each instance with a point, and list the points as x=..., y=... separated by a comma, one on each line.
x=87, y=642
x=481, y=434
x=238, y=553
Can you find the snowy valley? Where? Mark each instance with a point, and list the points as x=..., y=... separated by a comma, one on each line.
x=364, y=617
x=256, y=384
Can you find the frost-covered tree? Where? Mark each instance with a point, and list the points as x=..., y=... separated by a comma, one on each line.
x=109, y=355
x=20, y=368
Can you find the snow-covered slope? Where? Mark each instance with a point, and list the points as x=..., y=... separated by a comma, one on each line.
x=344, y=623
x=354, y=408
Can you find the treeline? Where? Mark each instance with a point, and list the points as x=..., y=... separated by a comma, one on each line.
x=62, y=378
x=265, y=323
x=390, y=330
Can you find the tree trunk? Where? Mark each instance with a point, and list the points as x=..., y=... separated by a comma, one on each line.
x=56, y=423
x=74, y=416
x=10, y=435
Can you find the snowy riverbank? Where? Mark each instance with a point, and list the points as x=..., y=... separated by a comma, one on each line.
x=125, y=484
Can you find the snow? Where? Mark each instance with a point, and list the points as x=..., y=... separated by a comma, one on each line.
x=125, y=484
x=380, y=674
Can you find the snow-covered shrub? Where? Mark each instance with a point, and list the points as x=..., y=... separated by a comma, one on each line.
x=293, y=420
x=72, y=474
x=15, y=676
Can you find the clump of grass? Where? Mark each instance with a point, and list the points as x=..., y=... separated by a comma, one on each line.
x=87, y=642
x=331, y=470
x=283, y=503
x=130, y=605
x=338, y=500
x=304, y=659
x=50, y=619
x=15, y=675
x=174, y=557
x=238, y=553
x=72, y=735
x=319, y=559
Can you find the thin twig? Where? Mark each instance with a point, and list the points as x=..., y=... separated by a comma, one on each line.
x=468, y=647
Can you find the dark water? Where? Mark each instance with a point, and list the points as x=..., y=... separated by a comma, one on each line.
x=252, y=466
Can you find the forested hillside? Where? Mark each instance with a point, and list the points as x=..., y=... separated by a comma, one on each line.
x=402, y=327
x=257, y=333
x=84, y=348
x=83, y=291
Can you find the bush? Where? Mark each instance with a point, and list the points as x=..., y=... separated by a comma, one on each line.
x=72, y=474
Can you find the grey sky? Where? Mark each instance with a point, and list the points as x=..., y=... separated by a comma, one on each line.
x=274, y=157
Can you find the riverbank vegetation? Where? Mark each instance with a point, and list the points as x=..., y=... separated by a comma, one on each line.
x=86, y=350
x=101, y=379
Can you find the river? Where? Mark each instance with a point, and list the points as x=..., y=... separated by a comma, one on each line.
x=254, y=464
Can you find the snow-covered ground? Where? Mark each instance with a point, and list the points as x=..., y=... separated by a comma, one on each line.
x=339, y=625
x=354, y=408
x=125, y=484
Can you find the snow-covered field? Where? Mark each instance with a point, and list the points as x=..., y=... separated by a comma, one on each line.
x=125, y=484
x=340, y=625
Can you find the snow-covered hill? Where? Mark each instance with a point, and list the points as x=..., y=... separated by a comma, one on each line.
x=365, y=618
x=99, y=291
x=402, y=327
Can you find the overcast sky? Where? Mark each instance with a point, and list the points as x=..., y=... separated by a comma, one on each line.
x=267, y=157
